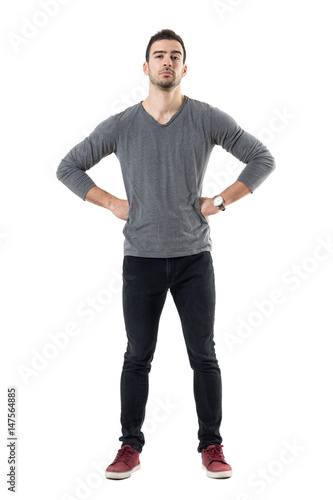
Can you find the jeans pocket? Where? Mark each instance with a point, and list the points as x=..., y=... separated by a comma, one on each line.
x=128, y=273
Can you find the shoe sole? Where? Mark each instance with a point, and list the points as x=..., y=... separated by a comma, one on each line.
x=218, y=475
x=121, y=475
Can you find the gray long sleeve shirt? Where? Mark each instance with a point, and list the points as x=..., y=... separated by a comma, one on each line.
x=163, y=167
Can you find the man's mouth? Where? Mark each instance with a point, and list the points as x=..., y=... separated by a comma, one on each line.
x=167, y=73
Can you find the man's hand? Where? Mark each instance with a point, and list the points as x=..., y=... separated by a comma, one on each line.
x=233, y=193
x=206, y=206
x=120, y=208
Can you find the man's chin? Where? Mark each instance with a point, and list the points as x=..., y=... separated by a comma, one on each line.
x=166, y=86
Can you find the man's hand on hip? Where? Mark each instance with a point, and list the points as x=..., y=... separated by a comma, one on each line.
x=231, y=194
x=120, y=208
x=206, y=206
x=102, y=198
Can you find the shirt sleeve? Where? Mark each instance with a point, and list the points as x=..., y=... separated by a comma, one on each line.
x=243, y=146
x=72, y=169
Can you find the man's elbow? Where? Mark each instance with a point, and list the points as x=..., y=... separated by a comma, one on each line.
x=58, y=173
x=272, y=161
x=268, y=162
x=62, y=171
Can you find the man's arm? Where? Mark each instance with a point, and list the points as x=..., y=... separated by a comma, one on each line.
x=235, y=192
x=246, y=148
x=72, y=170
x=118, y=207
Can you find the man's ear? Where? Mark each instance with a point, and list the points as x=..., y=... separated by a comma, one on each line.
x=145, y=68
x=184, y=71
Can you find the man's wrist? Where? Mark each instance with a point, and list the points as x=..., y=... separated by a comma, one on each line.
x=219, y=202
x=235, y=192
x=112, y=203
x=101, y=198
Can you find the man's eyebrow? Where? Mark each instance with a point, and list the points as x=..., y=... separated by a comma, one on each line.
x=164, y=52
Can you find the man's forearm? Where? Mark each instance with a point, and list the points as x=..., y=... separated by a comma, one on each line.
x=118, y=207
x=231, y=194
x=100, y=197
x=235, y=192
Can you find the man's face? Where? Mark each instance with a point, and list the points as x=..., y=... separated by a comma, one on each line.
x=165, y=67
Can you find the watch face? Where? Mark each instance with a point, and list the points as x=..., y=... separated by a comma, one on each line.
x=217, y=201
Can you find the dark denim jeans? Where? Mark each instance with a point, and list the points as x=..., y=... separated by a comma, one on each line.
x=146, y=282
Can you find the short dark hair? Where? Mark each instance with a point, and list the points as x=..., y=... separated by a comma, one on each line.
x=165, y=35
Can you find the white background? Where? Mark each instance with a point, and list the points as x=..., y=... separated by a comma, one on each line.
x=256, y=60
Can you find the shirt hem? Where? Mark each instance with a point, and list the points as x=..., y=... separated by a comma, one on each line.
x=166, y=255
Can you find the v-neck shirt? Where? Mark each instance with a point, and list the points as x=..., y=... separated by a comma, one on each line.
x=163, y=168
x=174, y=116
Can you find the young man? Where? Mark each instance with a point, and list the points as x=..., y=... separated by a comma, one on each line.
x=163, y=145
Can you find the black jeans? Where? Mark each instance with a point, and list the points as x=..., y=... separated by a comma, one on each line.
x=146, y=282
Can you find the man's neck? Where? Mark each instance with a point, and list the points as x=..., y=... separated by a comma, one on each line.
x=163, y=104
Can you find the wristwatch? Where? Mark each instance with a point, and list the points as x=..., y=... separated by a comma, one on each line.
x=218, y=202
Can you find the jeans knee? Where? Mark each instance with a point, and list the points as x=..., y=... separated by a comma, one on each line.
x=207, y=364
x=137, y=363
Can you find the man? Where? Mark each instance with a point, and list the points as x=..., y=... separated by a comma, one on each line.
x=163, y=144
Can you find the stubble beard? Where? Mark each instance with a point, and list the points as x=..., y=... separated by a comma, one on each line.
x=165, y=83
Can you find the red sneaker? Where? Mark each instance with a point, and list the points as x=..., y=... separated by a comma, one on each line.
x=214, y=463
x=126, y=462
